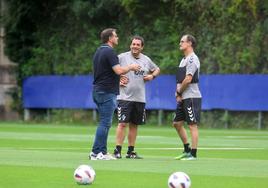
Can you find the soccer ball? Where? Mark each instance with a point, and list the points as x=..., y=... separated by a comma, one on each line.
x=84, y=175
x=179, y=180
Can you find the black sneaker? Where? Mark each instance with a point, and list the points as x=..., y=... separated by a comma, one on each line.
x=133, y=155
x=117, y=154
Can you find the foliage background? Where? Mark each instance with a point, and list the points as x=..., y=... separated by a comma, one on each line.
x=60, y=37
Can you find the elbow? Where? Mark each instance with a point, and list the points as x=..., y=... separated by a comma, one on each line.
x=118, y=70
x=121, y=71
x=158, y=71
x=188, y=79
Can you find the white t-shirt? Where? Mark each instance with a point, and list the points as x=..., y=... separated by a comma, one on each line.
x=192, y=65
x=135, y=89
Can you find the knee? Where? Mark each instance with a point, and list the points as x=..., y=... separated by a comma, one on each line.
x=105, y=123
x=121, y=126
x=193, y=127
x=177, y=125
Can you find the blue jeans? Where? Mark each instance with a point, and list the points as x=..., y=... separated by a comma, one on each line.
x=106, y=103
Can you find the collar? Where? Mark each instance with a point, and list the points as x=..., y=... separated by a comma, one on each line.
x=139, y=56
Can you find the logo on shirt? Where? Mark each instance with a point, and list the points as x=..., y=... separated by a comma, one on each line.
x=191, y=60
x=139, y=72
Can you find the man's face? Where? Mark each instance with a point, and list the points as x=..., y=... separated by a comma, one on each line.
x=184, y=43
x=136, y=47
x=114, y=39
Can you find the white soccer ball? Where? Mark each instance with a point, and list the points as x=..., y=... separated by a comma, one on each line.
x=84, y=175
x=179, y=180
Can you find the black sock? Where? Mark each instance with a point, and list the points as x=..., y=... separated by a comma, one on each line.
x=130, y=149
x=118, y=148
x=187, y=148
x=193, y=152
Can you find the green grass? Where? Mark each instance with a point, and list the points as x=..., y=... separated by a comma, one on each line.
x=45, y=156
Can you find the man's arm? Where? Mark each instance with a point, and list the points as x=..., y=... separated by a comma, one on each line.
x=152, y=76
x=185, y=83
x=118, y=69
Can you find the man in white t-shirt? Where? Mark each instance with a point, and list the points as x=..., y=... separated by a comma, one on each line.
x=131, y=101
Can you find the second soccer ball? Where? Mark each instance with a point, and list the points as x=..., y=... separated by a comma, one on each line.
x=179, y=180
x=84, y=174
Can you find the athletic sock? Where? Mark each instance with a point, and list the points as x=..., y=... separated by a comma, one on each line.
x=118, y=148
x=130, y=149
x=187, y=148
x=193, y=152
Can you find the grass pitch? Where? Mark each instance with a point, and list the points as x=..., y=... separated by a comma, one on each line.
x=45, y=156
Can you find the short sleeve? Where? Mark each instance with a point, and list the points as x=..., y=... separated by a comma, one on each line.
x=191, y=66
x=152, y=65
x=112, y=58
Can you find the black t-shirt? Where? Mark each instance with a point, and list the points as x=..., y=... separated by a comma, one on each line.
x=105, y=79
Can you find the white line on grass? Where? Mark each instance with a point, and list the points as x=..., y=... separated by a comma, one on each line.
x=75, y=148
x=204, y=148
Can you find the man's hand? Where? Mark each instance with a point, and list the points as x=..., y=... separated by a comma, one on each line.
x=148, y=77
x=123, y=80
x=134, y=67
x=178, y=97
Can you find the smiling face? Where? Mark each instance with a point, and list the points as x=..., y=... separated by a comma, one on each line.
x=136, y=47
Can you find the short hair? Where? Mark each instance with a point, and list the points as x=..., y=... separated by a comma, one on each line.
x=106, y=34
x=192, y=39
x=138, y=38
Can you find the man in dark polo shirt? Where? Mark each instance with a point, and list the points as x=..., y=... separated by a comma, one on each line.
x=106, y=70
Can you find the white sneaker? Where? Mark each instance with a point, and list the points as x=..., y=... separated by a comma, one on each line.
x=92, y=156
x=190, y=158
x=107, y=156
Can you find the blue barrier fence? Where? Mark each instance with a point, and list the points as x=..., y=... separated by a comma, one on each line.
x=229, y=92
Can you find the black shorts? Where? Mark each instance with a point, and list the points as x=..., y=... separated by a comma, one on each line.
x=188, y=110
x=131, y=112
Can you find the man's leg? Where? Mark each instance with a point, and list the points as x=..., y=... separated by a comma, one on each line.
x=132, y=135
x=183, y=136
x=120, y=137
x=138, y=117
x=120, y=133
x=181, y=131
x=123, y=112
x=106, y=105
x=193, y=107
x=194, y=134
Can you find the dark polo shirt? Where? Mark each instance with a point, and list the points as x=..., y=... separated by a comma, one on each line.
x=105, y=79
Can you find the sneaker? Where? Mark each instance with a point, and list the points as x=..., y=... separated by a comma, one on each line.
x=189, y=158
x=133, y=155
x=117, y=154
x=106, y=156
x=183, y=155
x=92, y=156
